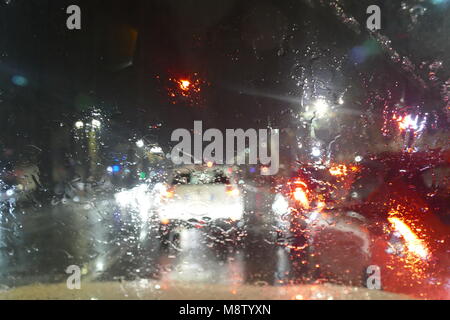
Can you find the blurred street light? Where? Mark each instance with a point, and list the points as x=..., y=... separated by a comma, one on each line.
x=316, y=152
x=140, y=143
x=96, y=124
x=321, y=108
x=79, y=124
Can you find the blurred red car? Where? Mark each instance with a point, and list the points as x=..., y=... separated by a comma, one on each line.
x=390, y=210
x=406, y=198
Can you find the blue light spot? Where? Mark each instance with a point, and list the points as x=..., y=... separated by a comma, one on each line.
x=116, y=168
x=358, y=54
x=19, y=81
x=438, y=2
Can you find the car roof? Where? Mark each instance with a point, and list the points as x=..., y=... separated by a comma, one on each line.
x=188, y=169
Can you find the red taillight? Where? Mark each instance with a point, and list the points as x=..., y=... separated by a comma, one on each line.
x=299, y=191
x=230, y=190
x=300, y=195
x=168, y=193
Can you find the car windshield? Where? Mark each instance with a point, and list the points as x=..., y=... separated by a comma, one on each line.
x=188, y=149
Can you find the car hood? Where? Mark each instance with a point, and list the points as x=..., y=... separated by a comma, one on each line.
x=160, y=290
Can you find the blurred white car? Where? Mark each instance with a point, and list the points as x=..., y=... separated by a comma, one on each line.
x=200, y=194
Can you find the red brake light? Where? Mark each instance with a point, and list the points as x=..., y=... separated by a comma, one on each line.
x=299, y=191
x=230, y=190
x=300, y=195
x=168, y=193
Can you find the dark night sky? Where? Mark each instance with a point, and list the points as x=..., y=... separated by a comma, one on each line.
x=246, y=50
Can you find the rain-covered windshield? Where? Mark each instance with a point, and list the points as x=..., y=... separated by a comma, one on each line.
x=190, y=149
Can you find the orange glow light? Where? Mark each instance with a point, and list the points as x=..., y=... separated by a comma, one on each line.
x=299, y=191
x=233, y=192
x=340, y=170
x=169, y=194
x=300, y=195
x=184, y=84
x=230, y=190
x=320, y=206
x=186, y=89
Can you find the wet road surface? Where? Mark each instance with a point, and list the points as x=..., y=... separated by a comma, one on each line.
x=108, y=242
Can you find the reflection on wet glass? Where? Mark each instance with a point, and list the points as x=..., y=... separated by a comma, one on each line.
x=362, y=191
